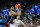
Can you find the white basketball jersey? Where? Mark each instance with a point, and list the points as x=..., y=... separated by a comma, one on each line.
x=16, y=24
x=12, y=25
x=38, y=26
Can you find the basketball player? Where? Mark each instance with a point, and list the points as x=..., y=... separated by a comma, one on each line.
x=16, y=22
x=14, y=12
x=17, y=12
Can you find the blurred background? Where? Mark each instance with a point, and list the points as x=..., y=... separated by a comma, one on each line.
x=30, y=13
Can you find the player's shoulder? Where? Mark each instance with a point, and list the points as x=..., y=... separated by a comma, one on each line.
x=19, y=20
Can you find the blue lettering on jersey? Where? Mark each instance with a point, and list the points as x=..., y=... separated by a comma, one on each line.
x=16, y=24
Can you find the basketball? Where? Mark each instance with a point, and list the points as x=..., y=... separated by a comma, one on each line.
x=18, y=5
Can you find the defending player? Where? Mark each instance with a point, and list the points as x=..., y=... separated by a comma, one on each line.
x=16, y=22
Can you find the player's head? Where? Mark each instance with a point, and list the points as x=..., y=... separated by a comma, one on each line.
x=18, y=17
x=12, y=8
x=17, y=5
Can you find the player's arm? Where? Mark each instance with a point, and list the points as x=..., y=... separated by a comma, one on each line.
x=10, y=13
x=20, y=12
x=23, y=24
x=14, y=13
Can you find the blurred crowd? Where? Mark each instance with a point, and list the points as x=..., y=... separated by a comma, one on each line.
x=31, y=20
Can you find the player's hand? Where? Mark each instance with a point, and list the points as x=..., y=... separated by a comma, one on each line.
x=17, y=8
